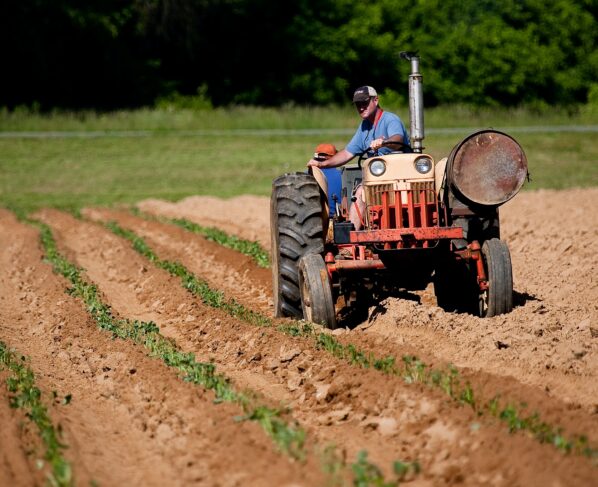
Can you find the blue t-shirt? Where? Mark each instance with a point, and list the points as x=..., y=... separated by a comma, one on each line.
x=388, y=125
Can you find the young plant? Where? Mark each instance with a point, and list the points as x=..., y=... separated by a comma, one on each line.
x=24, y=394
x=250, y=248
x=412, y=370
x=291, y=440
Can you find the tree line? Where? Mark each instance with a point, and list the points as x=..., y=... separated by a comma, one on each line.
x=109, y=54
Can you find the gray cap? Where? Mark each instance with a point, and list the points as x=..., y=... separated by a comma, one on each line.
x=364, y=93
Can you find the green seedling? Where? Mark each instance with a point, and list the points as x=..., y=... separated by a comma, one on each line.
x=413, y=370
x=24, y=394
x=366, y=474
x=290, y=440
x=250, y=248
x=289, y=437
x=198, y=287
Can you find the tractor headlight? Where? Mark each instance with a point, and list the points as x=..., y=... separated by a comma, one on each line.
x=423, y=165
x=377, y=167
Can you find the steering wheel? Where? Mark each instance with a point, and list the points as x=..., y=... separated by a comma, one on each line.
x=400, y=143
x=364, y=155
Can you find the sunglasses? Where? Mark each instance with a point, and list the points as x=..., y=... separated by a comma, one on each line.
x=362, y=104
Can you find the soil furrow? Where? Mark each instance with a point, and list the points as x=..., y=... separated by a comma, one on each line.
x=356, y=407
x=131, y=420
x=234, y=273
x=488, y=381
x=550, y=340
x=245, y=216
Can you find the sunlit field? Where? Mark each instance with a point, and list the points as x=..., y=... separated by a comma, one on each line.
x=69, y=160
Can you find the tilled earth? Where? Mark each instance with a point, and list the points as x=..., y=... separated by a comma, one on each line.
x=132, y=420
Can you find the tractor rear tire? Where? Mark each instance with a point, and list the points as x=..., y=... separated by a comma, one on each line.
x=296, y=229
x=498, y=299
x=316, y=291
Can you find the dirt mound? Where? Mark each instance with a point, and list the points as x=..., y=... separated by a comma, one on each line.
x=133, y=420
x=245, y=216
x=550, y=340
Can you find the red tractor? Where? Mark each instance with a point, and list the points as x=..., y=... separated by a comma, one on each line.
x=424, y=221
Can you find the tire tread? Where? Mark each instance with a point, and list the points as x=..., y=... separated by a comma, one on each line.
x=296, y=230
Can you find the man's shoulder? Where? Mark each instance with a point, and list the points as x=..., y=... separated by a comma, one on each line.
x=390, y=116
x=392, y=122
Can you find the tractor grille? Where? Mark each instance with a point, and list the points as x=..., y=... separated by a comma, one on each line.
x=417, y=188
x=373, y=194
x=402, y=205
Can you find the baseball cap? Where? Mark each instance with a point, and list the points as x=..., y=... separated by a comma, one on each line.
x=364, y=93
x=325, y=149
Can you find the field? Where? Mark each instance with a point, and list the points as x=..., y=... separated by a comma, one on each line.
x=73, y=160
x=140, y=349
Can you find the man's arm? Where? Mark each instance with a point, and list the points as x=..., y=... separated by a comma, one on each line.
x=377, y=143
x=338, y=159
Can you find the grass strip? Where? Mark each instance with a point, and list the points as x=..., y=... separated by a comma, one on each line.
x=289, y=437
x=247, y=247
x=410, y=368
x=26, y=395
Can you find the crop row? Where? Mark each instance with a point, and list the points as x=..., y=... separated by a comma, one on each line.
x=24, y=394
x=250, y=248
x=287, y=434
x=410, y=368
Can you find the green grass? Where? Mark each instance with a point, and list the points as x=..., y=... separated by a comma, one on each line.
x=73, y=172
x=288, y=117
x=24, y=394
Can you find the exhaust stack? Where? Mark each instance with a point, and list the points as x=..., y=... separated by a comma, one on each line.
x=416, y=101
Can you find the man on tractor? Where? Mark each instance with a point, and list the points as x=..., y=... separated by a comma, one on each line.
x=420, y=221
x=379, y=131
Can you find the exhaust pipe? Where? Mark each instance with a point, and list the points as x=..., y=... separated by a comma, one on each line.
x=416, y=101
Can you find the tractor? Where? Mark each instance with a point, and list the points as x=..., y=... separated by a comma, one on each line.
x=425, y=222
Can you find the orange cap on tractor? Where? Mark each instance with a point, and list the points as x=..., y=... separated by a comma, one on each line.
x=326, y=150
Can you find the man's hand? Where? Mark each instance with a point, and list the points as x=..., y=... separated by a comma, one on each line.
x=340, y=158
x=377, y=143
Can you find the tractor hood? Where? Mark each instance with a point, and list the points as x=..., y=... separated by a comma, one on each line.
x=486, y=168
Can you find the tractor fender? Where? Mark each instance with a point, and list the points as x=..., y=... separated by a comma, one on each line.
x=440, y=177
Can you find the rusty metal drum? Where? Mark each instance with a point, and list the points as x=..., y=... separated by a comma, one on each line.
x=487, y=168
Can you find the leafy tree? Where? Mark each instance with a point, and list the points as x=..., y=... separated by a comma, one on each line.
x=116, y=53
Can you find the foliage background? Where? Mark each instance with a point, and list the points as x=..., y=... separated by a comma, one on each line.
x=108, y=54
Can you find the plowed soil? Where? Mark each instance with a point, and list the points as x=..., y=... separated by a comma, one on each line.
x=133, y=421
x=549, y=341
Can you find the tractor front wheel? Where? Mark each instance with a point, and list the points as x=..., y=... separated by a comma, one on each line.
x=498, y=298
x=316, y=291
